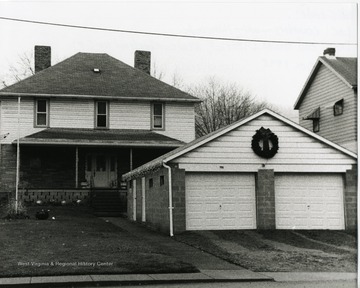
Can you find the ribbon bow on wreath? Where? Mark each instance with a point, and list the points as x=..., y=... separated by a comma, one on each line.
x=265, y=143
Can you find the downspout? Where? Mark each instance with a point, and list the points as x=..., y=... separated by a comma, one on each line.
x=170, y=201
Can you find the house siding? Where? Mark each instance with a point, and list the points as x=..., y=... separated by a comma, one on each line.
x=79, y=113
x=179, y=121
x=298, y=152
x=9, y=119
x=325, y=89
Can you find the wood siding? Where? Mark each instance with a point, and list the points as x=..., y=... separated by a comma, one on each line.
x=325, y=89
x=298, y=152
x=79, y=113
x=9, y=119
x=179, y=121
x=72, y=113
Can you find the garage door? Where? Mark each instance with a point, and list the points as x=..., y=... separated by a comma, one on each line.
x=220, y=201
x=309, y=201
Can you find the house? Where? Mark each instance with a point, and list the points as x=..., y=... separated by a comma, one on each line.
x=263, y=172
x=86, y=121
x=327, y=103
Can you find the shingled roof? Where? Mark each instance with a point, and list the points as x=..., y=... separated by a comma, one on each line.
x=343, y=67
x=75, y=77
x=96, y=137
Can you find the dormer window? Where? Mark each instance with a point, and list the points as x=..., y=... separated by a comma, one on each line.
x=338, y=107
x=157, y=116
x=102, y=114
x=42, y=113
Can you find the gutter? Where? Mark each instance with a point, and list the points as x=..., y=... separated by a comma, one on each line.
x=170, y=201
x=107, y=97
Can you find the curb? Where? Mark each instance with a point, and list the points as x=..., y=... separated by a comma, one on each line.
x=205, y=276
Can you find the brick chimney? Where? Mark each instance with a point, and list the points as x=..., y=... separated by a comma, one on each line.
x=329, y=53
x=42, y=58
x=142, y=61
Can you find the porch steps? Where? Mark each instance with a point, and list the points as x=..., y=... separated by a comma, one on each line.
x=108, y=202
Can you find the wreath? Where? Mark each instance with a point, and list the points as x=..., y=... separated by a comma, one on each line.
x=266, y=137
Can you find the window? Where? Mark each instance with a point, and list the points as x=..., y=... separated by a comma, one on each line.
x=162, y=180
x=151, y=182
x=42, y=113
x=316, y=125
x=102, y=114
x=157, y=116
x=339, y=107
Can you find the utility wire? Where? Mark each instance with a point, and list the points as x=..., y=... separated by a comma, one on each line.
x=173, y=35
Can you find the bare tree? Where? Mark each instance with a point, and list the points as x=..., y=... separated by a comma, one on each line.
x=222, y=105
x=157, y=73
x=22, y=69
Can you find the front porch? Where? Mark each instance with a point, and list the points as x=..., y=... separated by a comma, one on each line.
x=62, y=175
x=68, y=164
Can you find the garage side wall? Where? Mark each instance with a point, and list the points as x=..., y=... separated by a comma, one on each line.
x=157, y=200
x=351, y=199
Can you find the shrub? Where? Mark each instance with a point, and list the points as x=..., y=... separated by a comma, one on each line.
x=11, y=212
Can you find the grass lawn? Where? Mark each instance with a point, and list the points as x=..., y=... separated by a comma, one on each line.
x=280, y=250
x=76, y=242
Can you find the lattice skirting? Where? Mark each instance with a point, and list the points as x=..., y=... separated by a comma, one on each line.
x=55, y=196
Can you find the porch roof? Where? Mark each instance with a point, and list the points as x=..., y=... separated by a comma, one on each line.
x=97, y=137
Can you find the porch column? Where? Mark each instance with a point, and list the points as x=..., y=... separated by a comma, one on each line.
x=131, y=159
x=77, y=167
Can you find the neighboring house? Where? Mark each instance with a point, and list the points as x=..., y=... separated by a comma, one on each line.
x=86, y=121
x=263, y=172
x=327, y=103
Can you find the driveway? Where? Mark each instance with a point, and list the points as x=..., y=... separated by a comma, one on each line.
x=279, y=250
x=179, y=250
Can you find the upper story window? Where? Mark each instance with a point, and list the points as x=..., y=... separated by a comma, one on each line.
x=101, y=114
x=316, y=125
x=42, y=113
x=157, y=116
x=339, y=107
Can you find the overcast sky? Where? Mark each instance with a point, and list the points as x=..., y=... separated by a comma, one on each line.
x=272, y=72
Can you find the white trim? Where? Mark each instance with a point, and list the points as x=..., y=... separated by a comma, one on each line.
x=134, y=199
x=240, y=123
x=99, y=97
x=143, y=212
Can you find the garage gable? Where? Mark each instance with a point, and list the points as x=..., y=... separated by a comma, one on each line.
x=298, y=150
x=229, y=149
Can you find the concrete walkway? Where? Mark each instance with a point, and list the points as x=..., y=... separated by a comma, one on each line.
x=123, y=279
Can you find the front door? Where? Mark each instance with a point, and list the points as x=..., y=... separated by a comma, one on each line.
x=101, y=170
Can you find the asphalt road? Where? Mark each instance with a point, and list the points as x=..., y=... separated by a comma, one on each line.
x=300, y=284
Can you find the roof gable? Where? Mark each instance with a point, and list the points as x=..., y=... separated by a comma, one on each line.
x=345, y=68
x=190, y=147
x=75, y=76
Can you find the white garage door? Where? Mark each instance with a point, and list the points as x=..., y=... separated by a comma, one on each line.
x=220, y=201
x=309, y=201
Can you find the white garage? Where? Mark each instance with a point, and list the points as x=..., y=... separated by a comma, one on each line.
x=264, y=172
x=309, y=201
x=220, y=201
